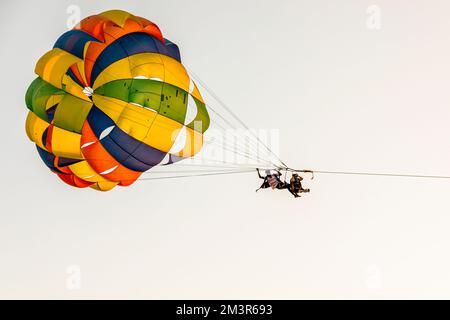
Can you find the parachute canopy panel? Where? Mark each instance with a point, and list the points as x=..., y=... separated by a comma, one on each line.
x=113, y=100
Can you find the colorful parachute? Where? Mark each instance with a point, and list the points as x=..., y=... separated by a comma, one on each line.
x=113, y=100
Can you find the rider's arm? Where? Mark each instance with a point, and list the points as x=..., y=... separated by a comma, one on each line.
x=259, y=174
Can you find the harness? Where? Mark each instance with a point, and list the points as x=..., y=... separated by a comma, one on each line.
x=273, y=181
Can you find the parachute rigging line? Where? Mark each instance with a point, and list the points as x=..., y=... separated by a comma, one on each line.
x=196, y=175
x=221, y=103
x=380, y=174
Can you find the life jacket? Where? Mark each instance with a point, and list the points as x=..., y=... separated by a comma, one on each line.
x=296, y=184
x=273, y=181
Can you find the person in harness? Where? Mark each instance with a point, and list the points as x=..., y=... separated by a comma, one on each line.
x=295, y=185
x=272, y=180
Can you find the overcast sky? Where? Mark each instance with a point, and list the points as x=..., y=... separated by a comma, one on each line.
x=351, y=85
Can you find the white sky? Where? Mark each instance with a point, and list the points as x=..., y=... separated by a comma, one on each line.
x=344, y=98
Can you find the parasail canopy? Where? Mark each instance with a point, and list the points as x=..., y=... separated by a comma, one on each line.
x=113, y=100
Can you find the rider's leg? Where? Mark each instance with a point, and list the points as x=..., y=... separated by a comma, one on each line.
x=263, y=186
x=293, y=193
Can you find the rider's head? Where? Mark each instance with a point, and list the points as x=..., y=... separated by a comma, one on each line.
x=268, y=173
x=296, y=176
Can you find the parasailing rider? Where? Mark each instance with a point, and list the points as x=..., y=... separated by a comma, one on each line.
x=272, y=180
x=295, y=185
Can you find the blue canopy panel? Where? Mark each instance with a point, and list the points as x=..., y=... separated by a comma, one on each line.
x=128, y=151
x=173, y=49
x=130, y=44
x=48, y=158
x=73, y=41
